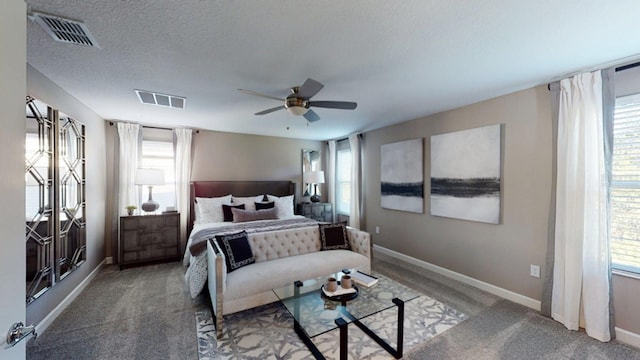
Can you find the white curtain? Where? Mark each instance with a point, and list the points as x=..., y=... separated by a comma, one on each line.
x=581, y=275
x=354, y=209
x=331, y=176
x=183, y=176
x=128, y=136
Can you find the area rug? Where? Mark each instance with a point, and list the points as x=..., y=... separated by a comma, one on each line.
x=266, y=332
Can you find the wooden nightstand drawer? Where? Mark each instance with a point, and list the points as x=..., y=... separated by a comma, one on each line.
x=149, y=238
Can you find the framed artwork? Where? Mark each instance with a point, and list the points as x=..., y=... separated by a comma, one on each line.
x=402, y=176
x=465, y=174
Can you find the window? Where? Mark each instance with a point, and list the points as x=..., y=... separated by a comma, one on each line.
x=157, y=153
x=625, y=185
x=343, y=179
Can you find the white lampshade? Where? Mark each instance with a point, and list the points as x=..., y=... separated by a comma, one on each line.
x=315, y=177
x=149, y=177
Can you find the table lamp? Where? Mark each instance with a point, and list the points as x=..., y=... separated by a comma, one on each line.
x=315, y=178
x=150, y=177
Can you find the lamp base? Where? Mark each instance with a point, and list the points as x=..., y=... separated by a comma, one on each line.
x=315, y=198
x=150, y=206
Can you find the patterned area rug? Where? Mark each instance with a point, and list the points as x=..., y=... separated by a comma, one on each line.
x=266, y=332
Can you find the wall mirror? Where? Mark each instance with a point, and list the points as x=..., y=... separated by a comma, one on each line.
x=71, y=160
x=310, y=162
x=39, y=198
x=54, y=197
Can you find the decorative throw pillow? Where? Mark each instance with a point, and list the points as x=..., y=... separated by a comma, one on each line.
x=236, y=249
x=226, y=211
x=253, y=215
x=333, y=237
x=283, y=205
x=265, y=205
x=210, y=209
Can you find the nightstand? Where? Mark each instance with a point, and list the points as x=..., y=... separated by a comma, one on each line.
x=149, y=238
x=317, y=211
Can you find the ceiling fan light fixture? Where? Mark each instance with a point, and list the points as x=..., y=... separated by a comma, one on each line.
x=296, y=106
x=297, y=110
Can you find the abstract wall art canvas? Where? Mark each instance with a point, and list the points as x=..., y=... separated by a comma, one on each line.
x=402, y=176
x=465, y=174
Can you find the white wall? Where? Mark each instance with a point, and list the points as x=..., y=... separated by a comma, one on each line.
x=13, y=51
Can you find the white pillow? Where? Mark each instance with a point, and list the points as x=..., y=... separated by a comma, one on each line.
x=210, y=209
x=196, y=213
x=283, y=205
x=248, y=201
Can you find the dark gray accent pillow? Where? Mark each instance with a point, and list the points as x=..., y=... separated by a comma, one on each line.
x=334, y=237
x=226, y=211
x=252, y=215
x=265, y=205
x=236, y=249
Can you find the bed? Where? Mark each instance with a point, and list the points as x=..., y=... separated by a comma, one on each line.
x=276, y=250
x=210, y=189
x=249, y=191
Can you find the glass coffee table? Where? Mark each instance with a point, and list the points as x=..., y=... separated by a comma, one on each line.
x=315, y=314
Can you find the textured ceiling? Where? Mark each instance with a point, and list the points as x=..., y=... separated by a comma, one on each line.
x=399, y=60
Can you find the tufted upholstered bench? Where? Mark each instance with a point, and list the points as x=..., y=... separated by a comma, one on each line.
x=282, y=257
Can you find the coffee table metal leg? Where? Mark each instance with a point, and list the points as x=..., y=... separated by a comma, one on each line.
x=397, y=353
x=344, y=338
x=307, y=341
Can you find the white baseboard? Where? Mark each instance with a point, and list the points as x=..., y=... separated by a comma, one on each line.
x=109, y=260
x=44, y=323
x=495, y=290
x=628, y=337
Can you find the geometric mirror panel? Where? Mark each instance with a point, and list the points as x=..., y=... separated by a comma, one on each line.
x=71, y=160
x=40, y=227
x=55, y=173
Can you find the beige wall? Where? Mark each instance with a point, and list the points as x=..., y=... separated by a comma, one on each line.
x=44, y=89
x=497, y=254
x=626, y=291
x=226, y=156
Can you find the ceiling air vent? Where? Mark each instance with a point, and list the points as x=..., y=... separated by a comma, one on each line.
x=153, y=98
x=65, y=30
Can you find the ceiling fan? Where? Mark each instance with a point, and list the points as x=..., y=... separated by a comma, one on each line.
x=299, y=103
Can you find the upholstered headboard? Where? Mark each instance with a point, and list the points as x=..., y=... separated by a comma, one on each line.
x=236, y=188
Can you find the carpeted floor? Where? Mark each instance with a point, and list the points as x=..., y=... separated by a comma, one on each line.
x=137, y=313
x=495, y=328
x=265, y=332
x=146, y=313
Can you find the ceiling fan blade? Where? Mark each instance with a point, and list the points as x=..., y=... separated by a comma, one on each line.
x=346, y=105
x=309, y=88
x=311, y=116
x=255, y=93
x=264, y=112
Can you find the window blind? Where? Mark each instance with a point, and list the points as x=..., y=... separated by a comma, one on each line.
x=625, y=186
x=343, y=181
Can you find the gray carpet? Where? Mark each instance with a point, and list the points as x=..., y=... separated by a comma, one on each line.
x=495, y=328
x=146, y=313
x=137, y=313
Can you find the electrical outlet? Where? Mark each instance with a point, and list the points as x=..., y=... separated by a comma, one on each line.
x=377, y=229
x=535, y=271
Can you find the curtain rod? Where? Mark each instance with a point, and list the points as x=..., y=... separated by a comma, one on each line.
x=360, y=135
x=629, y=66
x=619, y=68
x=111, y=123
